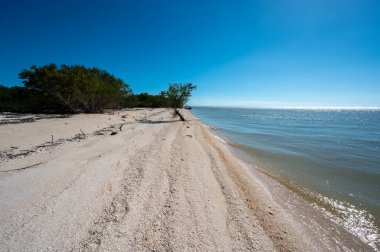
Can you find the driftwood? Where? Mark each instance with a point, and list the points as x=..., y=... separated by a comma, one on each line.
x=84, y=136
x=121, y=126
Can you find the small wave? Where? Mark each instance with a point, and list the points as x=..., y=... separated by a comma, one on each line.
x=356, y=221
x=219, y=138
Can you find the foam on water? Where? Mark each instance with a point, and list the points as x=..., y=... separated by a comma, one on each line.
x=357, y=221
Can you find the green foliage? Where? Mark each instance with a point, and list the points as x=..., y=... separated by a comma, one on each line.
x=19, y=99
x=75, y=88
x=145, y=100
x=178, y=94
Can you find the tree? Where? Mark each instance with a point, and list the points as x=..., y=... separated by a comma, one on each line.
x=20, y=100
x=145, y=100
x=75, y=88
x=178, y=95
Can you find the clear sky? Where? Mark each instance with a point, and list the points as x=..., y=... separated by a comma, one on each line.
x=241, y=53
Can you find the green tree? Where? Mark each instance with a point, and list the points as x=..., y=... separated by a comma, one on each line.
x=178, y=95
x=145, y=100
x=21, y=100
x=75, y=88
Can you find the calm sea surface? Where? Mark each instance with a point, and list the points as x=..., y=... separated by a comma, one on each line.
x=331, y=157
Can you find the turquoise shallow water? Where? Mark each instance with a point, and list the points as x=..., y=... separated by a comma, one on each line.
x=331, y=157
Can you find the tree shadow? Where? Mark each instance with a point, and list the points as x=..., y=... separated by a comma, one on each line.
x=157, y=121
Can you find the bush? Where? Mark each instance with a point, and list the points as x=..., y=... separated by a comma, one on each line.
x=145, y=100
x=74, y=88
x=22, y=100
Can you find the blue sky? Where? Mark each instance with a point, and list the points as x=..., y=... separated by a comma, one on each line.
x=240, y=53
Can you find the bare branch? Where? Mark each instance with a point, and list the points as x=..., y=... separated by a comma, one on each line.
x=84, y=136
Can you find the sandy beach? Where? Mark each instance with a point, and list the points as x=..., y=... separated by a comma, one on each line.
x=157, y=184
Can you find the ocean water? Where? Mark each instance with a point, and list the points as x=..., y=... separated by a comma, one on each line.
x=331, y=157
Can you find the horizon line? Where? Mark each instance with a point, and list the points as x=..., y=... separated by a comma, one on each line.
x=293, y=107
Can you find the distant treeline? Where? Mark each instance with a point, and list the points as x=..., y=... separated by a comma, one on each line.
x=73, y=89
x=146, y=100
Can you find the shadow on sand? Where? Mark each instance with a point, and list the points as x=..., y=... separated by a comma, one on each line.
x=156, y=121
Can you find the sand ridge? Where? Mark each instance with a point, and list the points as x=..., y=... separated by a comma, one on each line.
x=159, y=184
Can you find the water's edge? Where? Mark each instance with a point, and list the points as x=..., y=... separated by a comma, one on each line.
x=312, y=211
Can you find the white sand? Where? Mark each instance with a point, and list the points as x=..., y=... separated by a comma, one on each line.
x=159, y=185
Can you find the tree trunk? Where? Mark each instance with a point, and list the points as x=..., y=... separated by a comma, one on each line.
x=176, y=111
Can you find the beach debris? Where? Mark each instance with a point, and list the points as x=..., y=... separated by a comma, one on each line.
x=23, y=168
x=9, y=154
x=189, y=136
x=84, y=136
x=105, y=130
x=14, y=118
x=113, y=133
x=121, y=126
x=22, y=120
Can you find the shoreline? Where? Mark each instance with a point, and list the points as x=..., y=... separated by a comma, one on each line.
x=300, y=207
x=157, y=184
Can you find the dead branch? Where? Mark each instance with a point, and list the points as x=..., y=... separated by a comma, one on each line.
x=84, y=136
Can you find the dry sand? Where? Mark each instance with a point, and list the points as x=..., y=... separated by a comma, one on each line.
x=158, y=184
